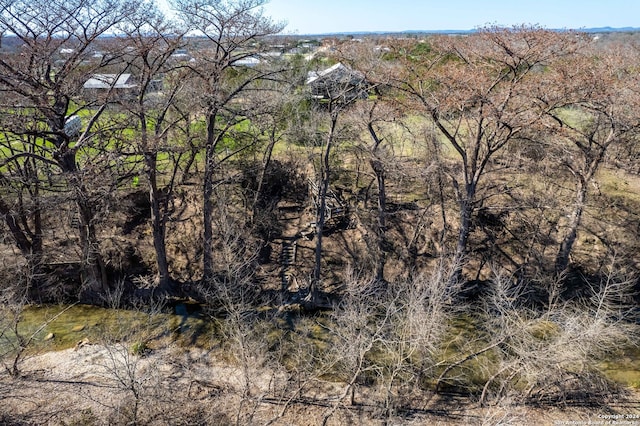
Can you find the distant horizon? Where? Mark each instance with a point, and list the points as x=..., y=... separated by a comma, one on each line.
x=458, y=31
x=304, y=17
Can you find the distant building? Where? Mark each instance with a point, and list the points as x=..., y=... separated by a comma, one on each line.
x=249, y=61
x=181, y=55
x=273, y=54
x=119, y=85
x=108, y=81
x=337, y=83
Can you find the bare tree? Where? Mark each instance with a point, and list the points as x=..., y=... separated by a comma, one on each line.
x=231, y=31
x=333, y=90
x=374, y=116
x=389, y=336
x=53, y=58
x=273, y=101
x=21, y=206
x=477, y=91
x=553, y=352
x=152, y=42
x=590, y=100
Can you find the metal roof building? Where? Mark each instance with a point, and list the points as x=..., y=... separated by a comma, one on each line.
x=107, y=81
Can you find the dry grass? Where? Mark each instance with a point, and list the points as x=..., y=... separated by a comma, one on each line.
x=192, y=387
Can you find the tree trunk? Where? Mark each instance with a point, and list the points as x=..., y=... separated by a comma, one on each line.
x=31, y=249
x=466, y=211
x=94, y=269
x=584, y=179
x=158, y=225
x=266, y=160
x=95, y=274
x=19, y=235
x=207, y=206
x=378, y=170
x=323, y=188
x=568, y=241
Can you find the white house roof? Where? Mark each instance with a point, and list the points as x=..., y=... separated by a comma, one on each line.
x=339, y=67
x=181, y=55
x=338, y=82
x=249, y=61
x=106, y=81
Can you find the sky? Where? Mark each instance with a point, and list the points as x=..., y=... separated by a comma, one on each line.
x=330, y=16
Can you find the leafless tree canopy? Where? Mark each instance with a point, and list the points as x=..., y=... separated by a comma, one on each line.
x=384, y=219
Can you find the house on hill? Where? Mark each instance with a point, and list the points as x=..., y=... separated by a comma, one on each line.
x=99, y=85
x=181, y=55
x=107, y=81
x=337, y=83
x=249, y=62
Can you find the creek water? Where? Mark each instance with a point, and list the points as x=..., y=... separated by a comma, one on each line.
x=56, y=327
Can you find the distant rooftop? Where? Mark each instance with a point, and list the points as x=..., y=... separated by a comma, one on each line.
x=339, y=68
x=247, y=62
x=107, y=81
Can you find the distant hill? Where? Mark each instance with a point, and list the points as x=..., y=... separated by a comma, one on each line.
x=610, y=30
x=365, y=33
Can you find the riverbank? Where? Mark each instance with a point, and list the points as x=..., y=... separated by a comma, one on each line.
x=99, y=384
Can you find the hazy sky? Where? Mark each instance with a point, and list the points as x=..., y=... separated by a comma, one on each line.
x=325, y=16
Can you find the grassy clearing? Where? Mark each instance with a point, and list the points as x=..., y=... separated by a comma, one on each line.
x=621, y=187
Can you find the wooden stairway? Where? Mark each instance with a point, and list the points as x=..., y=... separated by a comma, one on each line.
x=287, y=261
